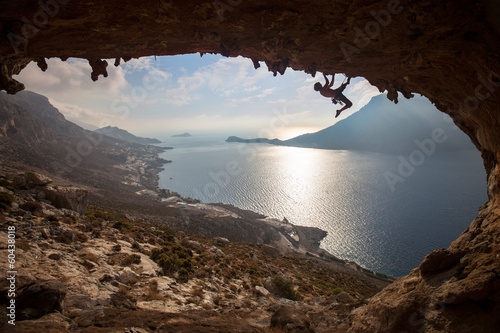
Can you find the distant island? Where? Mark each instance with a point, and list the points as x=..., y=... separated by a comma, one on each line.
x=258, y=140
x=118, y=133
x=183, y=135
x=382, y=126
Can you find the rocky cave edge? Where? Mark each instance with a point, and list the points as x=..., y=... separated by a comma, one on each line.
x=447, y=51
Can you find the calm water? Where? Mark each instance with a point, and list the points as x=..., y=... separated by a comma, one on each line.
x=385, y=229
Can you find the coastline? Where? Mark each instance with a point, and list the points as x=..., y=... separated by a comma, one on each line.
x=280, y=236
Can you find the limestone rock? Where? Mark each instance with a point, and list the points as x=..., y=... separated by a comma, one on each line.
x=45, y=233
x=270, y=251
x=52, y=322
x=70, y=197
x=19, y=180
x=36, y=179
x=191, y=244
x=344, y=297
x=54, y=256
x=29, y=179
x=439, y=260
x=126, y=275
x=262, y=291
x=90, y=265
x=39, y=299
x=217, y=251
x=291, y=319
x=221, y=241
x=119, y=300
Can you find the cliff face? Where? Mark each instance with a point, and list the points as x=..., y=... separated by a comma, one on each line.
x=448, y=51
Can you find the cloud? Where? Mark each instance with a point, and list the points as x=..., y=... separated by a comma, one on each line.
x=134, y=65
x=361, y=93
x=266, y=92
x=80, y=114
x=250, y=89
x=226, y=77
x=63, y=80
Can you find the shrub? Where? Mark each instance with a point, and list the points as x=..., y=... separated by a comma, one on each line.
x=173, y=260
x=153, y=291
x=72, y=217
x=4, y=182
x=285, y=288
x=52, y=218
x=66, y=237
x=32, y=206
x=116, y=248
x=5, y=200
x=131, y=259
x=337, y=291
x=183, y=275
x=118, y=225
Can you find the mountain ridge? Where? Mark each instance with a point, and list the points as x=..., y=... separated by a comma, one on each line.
x=121, y=134
x=380, y=126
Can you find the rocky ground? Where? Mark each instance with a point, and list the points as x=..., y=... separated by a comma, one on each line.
x=100, y=271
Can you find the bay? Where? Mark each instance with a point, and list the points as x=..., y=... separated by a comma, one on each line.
x=382, y=224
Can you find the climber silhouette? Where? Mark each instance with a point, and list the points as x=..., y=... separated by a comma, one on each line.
x=334, y=94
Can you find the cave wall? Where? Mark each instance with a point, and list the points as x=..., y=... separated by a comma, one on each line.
x=448, y=51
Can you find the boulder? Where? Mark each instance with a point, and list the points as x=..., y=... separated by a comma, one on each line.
x=270, y=251
x=54, y=256
x=261, y=291
x=344, y=297
x=127, y=275
x=217, y=251
x=66, y=237
x=119, y=300
x=70, y=197
x=291, y=319
x=50, y=323
x=221, y=241
x=90, y=265
x=19, y=180
x=40, y=298
x=439, y=260
x=36, y=179
x=191, y=244
x=29, y=179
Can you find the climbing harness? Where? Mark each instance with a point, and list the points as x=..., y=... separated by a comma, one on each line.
x=335, y=100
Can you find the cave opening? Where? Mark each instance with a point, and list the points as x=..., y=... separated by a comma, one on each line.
x=163, y=96
x=448, y=52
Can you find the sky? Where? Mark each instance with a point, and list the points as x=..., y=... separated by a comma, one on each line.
x=162, y=96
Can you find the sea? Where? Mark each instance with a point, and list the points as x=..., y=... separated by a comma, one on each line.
x=385, y=212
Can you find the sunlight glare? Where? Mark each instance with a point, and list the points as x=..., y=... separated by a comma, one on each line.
x=286, y=133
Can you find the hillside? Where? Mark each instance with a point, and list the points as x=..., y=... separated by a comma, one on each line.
x=105, y=271
x=381, y=126
x=131, y=261
x=35, y=133
x=121, y=134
